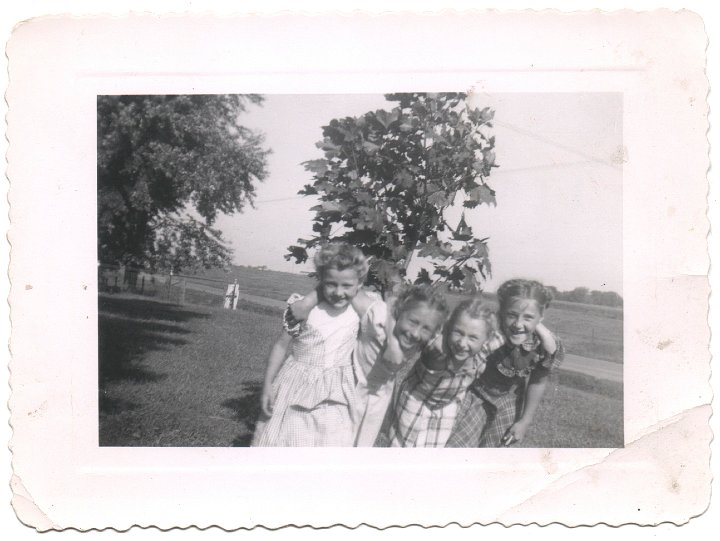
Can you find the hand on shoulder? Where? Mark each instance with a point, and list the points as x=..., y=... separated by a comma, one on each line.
x=364, y=299
x=433, y=355
x=547, y=338
x=301, y=307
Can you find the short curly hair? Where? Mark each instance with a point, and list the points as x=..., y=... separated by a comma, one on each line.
x=519, y=288
x=341, y=256
x=412, y=296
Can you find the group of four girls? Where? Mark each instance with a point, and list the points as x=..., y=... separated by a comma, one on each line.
x=476, y=380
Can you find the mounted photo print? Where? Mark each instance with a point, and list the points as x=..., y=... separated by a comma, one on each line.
x=258, y=280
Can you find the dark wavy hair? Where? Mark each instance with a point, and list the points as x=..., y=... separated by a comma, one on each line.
x=412, y=296
x=523, y=289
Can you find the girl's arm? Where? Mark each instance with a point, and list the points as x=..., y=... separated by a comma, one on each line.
x=537, y=384
x=362, y=302
x=300, y=309
x=546, y=337
x=533, y=395
x=392, y=355
x=278, y=353
x=433, y=356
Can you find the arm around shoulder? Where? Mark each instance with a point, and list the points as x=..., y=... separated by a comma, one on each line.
x=433, y=356
x=363, y=301
x=554, y=351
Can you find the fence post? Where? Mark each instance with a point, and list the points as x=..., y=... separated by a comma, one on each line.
x=169, y=284
x=142, y=284
x=229, y=294
x=236, y=295
x=183, y=285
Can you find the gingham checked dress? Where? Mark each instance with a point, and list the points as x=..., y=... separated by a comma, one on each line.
x=427, y=401
x=493, y=401
x=315, y=396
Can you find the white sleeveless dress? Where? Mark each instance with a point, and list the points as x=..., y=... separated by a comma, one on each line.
x=315, y=390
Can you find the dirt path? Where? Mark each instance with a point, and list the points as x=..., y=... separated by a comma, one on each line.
x=593, y=367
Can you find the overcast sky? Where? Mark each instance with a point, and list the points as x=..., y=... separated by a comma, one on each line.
x=559, y=185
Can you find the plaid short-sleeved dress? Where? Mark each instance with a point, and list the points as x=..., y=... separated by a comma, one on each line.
x=427, y=401
x=315, y=396
x=492, y=403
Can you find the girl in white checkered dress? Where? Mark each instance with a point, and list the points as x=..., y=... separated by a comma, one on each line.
x=309, y=398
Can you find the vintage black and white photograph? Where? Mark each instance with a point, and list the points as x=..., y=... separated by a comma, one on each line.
x=254, y=258
x=360, y=270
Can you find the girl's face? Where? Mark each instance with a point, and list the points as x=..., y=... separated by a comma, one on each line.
x=466, y=337
x=339, y=286
x=416, y=326
x=519, y=320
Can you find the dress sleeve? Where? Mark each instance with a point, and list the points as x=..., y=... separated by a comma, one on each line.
x=550, y=361
x=373, y=323
x=291, y=325
x=373, y=333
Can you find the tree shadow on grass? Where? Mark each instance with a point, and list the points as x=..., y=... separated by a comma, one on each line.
x=246, y=409
x=139, y=308
x=129, y=328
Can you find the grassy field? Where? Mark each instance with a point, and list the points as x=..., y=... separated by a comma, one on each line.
x=191, y=375
x=180, y=376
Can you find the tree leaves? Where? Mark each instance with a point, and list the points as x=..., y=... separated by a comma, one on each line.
x=298, y=253
x=481, y=194
x=392, y=174
x=159, y=157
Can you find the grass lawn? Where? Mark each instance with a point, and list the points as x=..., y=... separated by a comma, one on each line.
x=180, y=376
x=191, y=375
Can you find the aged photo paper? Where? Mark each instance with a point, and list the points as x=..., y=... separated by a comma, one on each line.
x=603, y=118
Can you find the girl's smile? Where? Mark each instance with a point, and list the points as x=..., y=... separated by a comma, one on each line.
x=339, y=286
x=466, y=337
x=416, y=326
x=520, y=320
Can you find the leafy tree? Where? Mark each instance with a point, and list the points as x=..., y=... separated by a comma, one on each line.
x=167, y=166
x=387, y=179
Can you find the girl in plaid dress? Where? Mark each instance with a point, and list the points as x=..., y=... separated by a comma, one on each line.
x=309, y=398
x=427, y=401
x=412, y=321
x=501, y=403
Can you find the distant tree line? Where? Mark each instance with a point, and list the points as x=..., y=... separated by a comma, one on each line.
x=585, y=295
